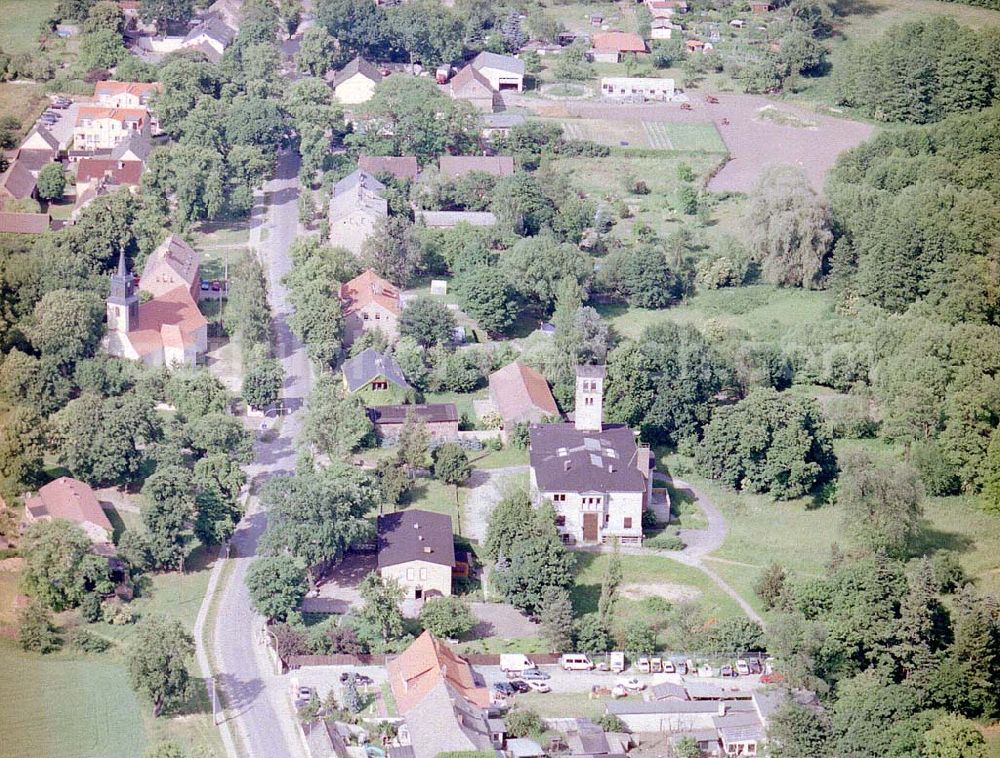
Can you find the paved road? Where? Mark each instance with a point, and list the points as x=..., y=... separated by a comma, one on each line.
x=258, y=703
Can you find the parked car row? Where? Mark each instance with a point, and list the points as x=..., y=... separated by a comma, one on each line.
x=359, y=679
x=515, y=686
x=215, y=285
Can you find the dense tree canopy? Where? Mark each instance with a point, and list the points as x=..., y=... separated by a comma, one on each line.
x=768, y=442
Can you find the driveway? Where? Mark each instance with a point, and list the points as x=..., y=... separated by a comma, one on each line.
x=502, y=620
x=485, y=489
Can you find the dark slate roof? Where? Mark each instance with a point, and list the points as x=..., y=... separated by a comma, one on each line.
x=371, y=364
x=357, y=66
x=415, y=535
x=591, y=372
x=566, y=459
x=356, y=178
x=19, y=181
x=435, y=413
x=213, y=27
x=137, y=144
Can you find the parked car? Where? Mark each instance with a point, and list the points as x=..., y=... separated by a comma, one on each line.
x=742, y=667
x=303, y=695
x=359, y=679
x=632, y=683
x=534, y=675
x=668, y=667
x=205, y=287
x=617, y=662
x=656, y=665
x=643, y=665
x=520, y=685
x=682, y=668
x=755, y=666
x=602, y=666
x=216, y=285
x=619, y=691
x=727, y=670
x=539, y=686
x=503, y=688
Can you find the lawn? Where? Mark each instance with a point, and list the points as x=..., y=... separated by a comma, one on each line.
x=651, y=585
x=23, y=100
x=576, y=16
x=607, y=181
x=215, y=259
x=21, y=21
x=63, y=706
x=562, y=704
x=96, y=712
x=655, y=135
x=799, y=535
x=763, y=311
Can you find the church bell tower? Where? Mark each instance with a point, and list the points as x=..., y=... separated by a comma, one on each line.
x=123, y=302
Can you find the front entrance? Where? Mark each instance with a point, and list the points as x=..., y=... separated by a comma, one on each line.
x=418, y=593
x=590, y=527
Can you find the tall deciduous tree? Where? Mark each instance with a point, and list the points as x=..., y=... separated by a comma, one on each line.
x=335, y=424
x=277, y=585
x=158, y=660
x=789, y=228
x=428, y=322
x=60, y=567
x=317, y=515
x=380, y=616
x=880, y=507
x=768, y=442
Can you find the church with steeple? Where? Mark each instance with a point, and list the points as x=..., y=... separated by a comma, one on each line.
x=168, y=329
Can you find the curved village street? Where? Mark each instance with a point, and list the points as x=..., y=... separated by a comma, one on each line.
x=257, y=704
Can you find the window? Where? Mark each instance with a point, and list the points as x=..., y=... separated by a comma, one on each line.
x=378, y=316
x=588, y=401
x=559, y=498
x=560, y=520
x=423, y=574
x=364, y=316
x=410, y=575
x=628, y=522
x=380, y=385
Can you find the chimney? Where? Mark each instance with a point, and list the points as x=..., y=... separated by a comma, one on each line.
x=566, y=465
x=428, y=549
x=722, y=708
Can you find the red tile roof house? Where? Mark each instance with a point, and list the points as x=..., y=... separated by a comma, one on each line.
x=71, y=500
x=455, y=166
x=473, y=87
x=370, y=302
x=609, y=47
x=23, y=223
x=521, y=395
x=169, y=329
x=442, y=700
x=397, y=166
x=441, y=420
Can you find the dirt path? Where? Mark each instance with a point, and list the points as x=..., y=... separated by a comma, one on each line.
x=700, y=543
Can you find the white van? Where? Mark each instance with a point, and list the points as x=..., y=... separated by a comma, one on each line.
x=617, y=662
x=575, y=662
x=516, y=662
